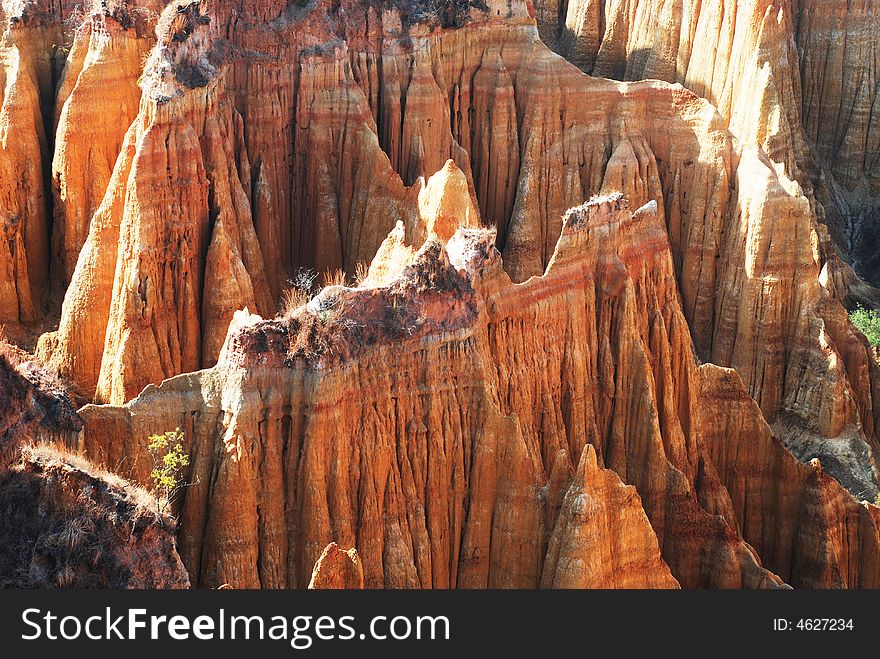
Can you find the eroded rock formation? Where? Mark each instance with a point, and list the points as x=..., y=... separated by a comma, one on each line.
x=532, y=137
x=382, y=418
x=26, y=81
x=797, y=77
x=562, y=349
x=96, y=101
x=337, y=569
x=175, y=222
x=845, y=132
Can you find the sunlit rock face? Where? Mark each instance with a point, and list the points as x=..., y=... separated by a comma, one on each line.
x=96, y=100
x=278, y=142
x=798, y=77
x=435, y=419
x=532, y=384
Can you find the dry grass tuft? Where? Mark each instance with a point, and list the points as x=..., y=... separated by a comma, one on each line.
x=292, y=299
x=361, y=272
x=299, y=293
x=334, y=278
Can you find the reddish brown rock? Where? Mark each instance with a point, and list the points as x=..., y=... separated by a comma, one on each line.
x=596, y=541
x=29, y=30
x=176, y=221
x=434, y=356
x=337, y=207
x=820, y=537
x=338, y=569
x=97, y=99
x=302, y=136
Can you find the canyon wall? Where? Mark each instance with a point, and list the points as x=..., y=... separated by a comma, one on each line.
x=382, y=417
x=290, y=149
x=96, y=101
x=738, y=55
x=797, y=77
x=241, y=141
x=176, y=220
x=27, y=75
x=840, y=118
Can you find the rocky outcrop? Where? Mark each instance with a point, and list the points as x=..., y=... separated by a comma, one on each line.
x=64, y=522
x=337, y=569
x=601, y=538
x=532, y=137
x=171, y=251
x=79, y=109
x=841, y=121
x=738, y=55
x=35, y=406
x=273, y=137
x=67, y=525
x=776, y=269
x=461, y=377
x=821, y=537
x=97, y=100
x=796, y=77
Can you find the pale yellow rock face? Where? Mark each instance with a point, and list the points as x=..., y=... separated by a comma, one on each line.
x=750, y=60
x=445, y=203
x=738, y=55
x=796, y=77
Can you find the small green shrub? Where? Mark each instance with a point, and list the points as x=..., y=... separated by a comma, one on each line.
x=169, y=461
x=868, y=322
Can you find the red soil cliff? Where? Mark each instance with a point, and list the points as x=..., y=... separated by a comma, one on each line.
x=504, y=327
x=387, y=414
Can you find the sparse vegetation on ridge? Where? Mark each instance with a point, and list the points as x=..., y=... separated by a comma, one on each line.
x=67, y=523
x=302, y=287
